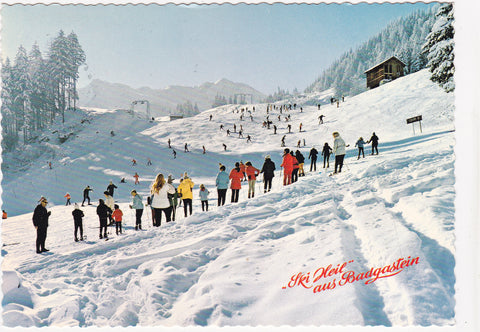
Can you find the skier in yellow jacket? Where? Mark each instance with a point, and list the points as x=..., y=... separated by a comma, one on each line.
x=185, y=190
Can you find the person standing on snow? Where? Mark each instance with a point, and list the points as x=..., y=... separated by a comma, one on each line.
x=339, y=150
x=111, y=204
x=283, y=141
x=374, y=140
x=137, y=204
x=327, y=150
x=296, y=167
x=173, y=198
x=68, y=197
x=236, y=176
x=111, y=188
x=40, y=221
x=222, y=181
x=103, y=212
x=77, y=219
x=186, y=147
x=136, y=176
x=268, y=170
x=86, y=195
x=117, y=215
x=185, y=190
x=287, y=165
x=360, y=144
x=252, y=174
x=301, y=161
x=313, y=159
x=159, y=202
x=203, y=193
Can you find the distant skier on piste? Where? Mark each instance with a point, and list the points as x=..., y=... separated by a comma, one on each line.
x=374, y=140
x=111, y=188
x=86, y=194
x=326, y=151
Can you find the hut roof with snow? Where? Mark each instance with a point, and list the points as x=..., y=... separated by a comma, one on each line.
x=387, y=70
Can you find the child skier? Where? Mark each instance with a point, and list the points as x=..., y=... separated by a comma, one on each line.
x=117, y=217
x=204, y=197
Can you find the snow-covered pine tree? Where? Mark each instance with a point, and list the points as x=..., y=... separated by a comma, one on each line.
x=20, y=87
x=76, y=59
x=439, y=49
x=9, y=130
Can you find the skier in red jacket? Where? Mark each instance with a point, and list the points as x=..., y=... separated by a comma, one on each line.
x=236, y=176
x=287, y=165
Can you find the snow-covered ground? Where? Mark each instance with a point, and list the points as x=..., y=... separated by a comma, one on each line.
x=385, y=224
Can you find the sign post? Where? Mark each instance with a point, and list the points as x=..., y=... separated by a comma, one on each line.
x=413, y=120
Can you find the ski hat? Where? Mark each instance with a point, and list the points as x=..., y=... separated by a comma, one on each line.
x=106, y=193
x=116, y=206
x=335, y=134
x=133, y=191
x=267, y=156
x=76, y=206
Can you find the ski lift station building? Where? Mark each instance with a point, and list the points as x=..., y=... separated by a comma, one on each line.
x=385, y=71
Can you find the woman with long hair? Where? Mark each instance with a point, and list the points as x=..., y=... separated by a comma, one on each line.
x=159, y=201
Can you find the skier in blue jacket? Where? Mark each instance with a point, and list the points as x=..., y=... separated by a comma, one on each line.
x=222, y=181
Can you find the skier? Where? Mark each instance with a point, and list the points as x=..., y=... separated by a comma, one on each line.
x=204, y=151
x=111, y=204
x=185, y=190
x=283, y=141
x=112, y=133
x=224, y=147
x=173, y=198
x=320, y=119
x=313, y=159
x=149, y=162
x=174, y=154
x=86, y=195
x=159, y=202
x=228, y=132
x=186, y=147
x=204, y=197
x=274, y=129
x=222, y=182
x=289, y=128
x=67, y=196
x=301, y=161
x=268, y=170
x=249, y=139
x=103, y=212
x=339, y=150
x=360, y=144
x=136, y=176
x=295, y=168
x=77, y=219
x=300, y=127
x=123, y=180
x=169, y=143
x=50, y=164
x=211, y=117
x=326, y=154
x=374, y=140
x=252, y=174
x=4, y=214
x=299, y=143
x=40, y=221
x=117, y=217
x=137, y=204
x=111, y=188
x=134, y=162
x=287, y=165
x=234, y=128
x=236, y=176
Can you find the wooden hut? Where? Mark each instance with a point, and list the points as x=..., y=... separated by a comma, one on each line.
x=387, y=70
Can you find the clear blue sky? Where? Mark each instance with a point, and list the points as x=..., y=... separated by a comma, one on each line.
x=265, y=46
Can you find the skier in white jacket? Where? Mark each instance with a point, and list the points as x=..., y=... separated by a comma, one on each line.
x=339, y=150
x=160, y=201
